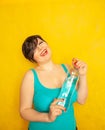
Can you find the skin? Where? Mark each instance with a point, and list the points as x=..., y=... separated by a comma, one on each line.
x=47, y=68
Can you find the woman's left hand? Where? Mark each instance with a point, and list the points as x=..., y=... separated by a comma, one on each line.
x=80, y=66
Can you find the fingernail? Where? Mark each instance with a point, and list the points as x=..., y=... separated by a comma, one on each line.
x=65, y=110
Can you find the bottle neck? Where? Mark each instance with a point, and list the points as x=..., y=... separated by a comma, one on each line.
x=74, y=72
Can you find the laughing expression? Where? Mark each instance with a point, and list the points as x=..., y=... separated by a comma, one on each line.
x=42, y=52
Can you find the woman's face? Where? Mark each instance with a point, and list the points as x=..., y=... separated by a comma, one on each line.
x=42, y=52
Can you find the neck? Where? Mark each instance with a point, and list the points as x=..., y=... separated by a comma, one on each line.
x=47, y=66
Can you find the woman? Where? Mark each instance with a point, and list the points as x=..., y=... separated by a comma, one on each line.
x=41, y=86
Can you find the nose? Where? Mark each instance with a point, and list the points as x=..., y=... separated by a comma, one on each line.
x=39, y=47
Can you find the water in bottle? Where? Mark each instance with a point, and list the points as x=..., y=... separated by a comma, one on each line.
x=68, y=88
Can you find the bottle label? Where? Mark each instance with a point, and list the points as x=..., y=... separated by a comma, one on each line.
x=67, y=90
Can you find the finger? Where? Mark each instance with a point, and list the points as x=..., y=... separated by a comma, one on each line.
x=60, y=107
x=57, y=107
x=58, y=112
x=79, y=64
x=56, y=101
x=82, y=65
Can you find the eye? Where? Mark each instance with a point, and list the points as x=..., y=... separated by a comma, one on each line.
x=41, y=42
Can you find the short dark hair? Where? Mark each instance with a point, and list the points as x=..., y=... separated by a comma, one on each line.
x=29, y=46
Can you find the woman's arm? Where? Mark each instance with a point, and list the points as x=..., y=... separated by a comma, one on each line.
x=26, y=99
x=82, y=84
x=82, y=88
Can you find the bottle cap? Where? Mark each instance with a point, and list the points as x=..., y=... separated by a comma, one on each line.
x=74, y=62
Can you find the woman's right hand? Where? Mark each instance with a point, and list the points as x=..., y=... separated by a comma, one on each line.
x=55, y=110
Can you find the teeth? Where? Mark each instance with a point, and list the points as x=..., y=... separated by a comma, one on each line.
x=43, y=52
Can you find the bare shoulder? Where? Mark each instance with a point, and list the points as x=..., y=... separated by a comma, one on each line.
x=28, y=74
x=26, y=91
x=28, y=79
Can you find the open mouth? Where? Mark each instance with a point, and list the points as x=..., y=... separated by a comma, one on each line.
x=44, y=52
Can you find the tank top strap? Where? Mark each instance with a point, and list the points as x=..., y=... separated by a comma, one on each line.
x=35, y=77
x=65, y=69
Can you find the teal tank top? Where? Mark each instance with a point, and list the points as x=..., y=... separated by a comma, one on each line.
x=42, y=99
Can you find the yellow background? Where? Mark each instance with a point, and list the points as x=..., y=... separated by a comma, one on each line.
x=72, y=29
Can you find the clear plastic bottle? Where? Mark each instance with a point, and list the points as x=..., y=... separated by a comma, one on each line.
x=68, y=88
